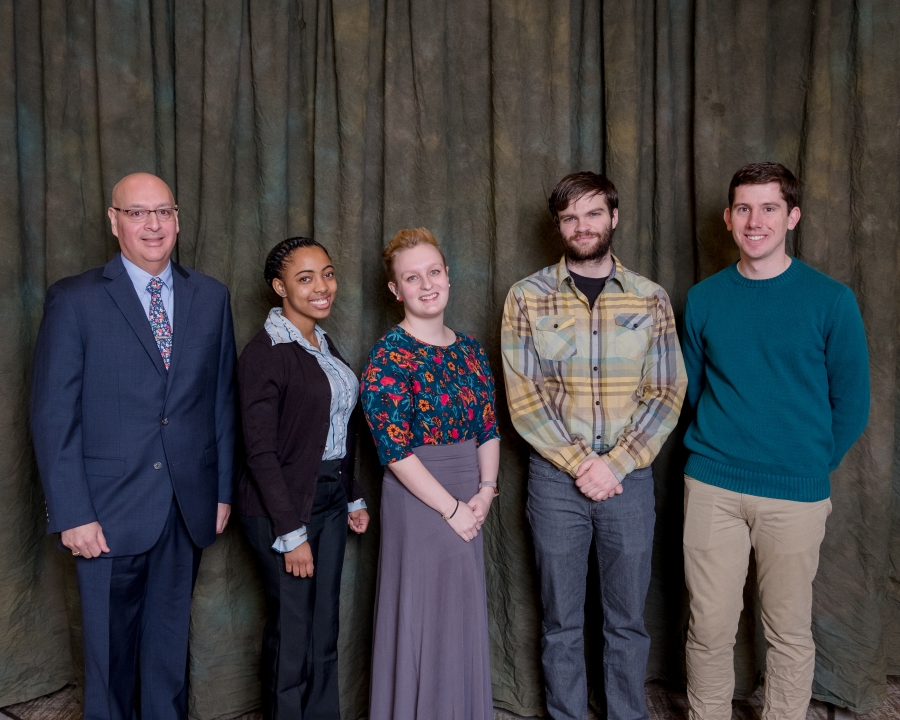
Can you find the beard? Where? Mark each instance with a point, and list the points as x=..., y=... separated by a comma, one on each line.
x=594, y=252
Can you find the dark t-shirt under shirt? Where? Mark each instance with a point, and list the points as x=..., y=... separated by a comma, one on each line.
x=591, y=287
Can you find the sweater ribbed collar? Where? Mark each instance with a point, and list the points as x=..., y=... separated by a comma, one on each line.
x=785, y=277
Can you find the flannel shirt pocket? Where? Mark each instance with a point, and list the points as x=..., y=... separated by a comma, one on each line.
x=555, y=337
x=633, y=333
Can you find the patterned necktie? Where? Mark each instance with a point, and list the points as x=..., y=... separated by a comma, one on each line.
x=159, y=320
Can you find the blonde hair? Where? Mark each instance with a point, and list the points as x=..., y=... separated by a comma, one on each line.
x=404, y=240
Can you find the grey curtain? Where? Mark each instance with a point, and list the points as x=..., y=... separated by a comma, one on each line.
x=351, y=119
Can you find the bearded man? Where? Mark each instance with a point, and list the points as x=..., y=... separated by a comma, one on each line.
x=595, y=381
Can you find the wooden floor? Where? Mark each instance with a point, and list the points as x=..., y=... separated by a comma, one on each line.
x=662, y=704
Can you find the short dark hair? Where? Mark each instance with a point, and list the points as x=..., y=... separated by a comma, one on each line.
x=577, y=185
x=763, y=173
x=279, y=255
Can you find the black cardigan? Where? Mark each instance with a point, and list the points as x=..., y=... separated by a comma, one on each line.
x=285, y=413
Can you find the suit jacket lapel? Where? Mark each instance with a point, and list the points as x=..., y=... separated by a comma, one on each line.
x=122, y=291
x=183, y=291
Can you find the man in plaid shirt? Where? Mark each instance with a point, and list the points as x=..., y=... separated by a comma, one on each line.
x=595, y=381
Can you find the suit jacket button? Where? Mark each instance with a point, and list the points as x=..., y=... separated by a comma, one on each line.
x=157, y=465
x=165, y=421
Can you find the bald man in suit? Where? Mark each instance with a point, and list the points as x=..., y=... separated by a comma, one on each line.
x=133, y=419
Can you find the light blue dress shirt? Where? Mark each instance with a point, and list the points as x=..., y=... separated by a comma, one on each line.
x=344, y=393
x=141, y=278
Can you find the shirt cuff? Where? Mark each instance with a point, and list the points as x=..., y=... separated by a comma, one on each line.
x=291, y=541
x=358, y=504
x=571, y=456
x=620, y=462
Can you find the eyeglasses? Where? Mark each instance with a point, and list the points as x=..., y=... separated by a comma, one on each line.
x=166, y=214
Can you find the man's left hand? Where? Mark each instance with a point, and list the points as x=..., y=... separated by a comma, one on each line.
x=596, y=480
x=222, y=515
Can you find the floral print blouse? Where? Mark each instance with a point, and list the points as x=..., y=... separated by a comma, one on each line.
x=418, y=394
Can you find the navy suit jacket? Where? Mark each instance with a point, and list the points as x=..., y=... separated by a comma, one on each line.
x=115, y=433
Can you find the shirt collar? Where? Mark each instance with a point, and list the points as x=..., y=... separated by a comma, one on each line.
x=562, y=274
x=282, y=330
x=140, y=277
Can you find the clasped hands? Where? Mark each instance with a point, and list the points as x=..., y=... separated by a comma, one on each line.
x=470, y=516
x=596, y=481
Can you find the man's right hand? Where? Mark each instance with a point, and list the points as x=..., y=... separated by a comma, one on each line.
x=299, y=561
x=596, y=480
x=85, y=540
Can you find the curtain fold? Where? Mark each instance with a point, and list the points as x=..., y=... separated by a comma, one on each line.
x=348, y=120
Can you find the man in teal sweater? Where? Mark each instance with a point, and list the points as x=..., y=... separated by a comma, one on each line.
x=778, y=375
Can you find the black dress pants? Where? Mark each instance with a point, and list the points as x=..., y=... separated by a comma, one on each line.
x=299, y=670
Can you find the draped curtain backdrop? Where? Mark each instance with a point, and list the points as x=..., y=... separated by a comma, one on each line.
x=351, y=119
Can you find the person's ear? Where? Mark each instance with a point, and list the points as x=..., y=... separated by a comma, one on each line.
x=278, y=286
x=393, y=288
x=728, y=218
x=113, y=221
x=793, y=218
x=615, y=218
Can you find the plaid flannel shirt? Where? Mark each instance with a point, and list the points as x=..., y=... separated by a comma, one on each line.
x=582, y=382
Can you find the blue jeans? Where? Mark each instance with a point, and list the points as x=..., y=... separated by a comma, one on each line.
x=563, y=522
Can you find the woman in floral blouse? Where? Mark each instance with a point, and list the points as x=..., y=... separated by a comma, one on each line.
x=428, y=395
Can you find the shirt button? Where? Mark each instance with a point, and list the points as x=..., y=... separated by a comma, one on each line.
x=555, y=326
x=597, y=403
x=595, y=368
x=595, y=332
x=157, y=465
x=599, y=437
x=165, y=421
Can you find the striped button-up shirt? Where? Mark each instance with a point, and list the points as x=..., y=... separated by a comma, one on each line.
x=582, y=381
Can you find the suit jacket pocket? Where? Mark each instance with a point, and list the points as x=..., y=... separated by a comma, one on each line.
x=200, y=340
x=104, y=467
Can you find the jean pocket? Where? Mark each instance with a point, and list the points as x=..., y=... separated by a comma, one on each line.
x=542, y=469
x=699, y=514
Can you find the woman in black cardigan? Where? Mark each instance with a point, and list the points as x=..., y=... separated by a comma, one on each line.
x=296, y=494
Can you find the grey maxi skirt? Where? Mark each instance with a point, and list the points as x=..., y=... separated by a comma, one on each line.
x=430, y=659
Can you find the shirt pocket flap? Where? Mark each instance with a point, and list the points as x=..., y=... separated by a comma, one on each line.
x=104, y=467
x=634, y=321
x=555, y=337
x=553, y=323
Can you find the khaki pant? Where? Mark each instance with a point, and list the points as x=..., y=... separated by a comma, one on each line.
x=720, y=527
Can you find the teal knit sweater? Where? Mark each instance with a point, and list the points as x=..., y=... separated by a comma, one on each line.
x=778, y=381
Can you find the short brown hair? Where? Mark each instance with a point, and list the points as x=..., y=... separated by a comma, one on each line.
x=763, y=173
x=577, y=185
x=404, y=240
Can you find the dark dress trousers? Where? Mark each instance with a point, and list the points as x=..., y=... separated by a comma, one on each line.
x=145, y=451
x=285, y=402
